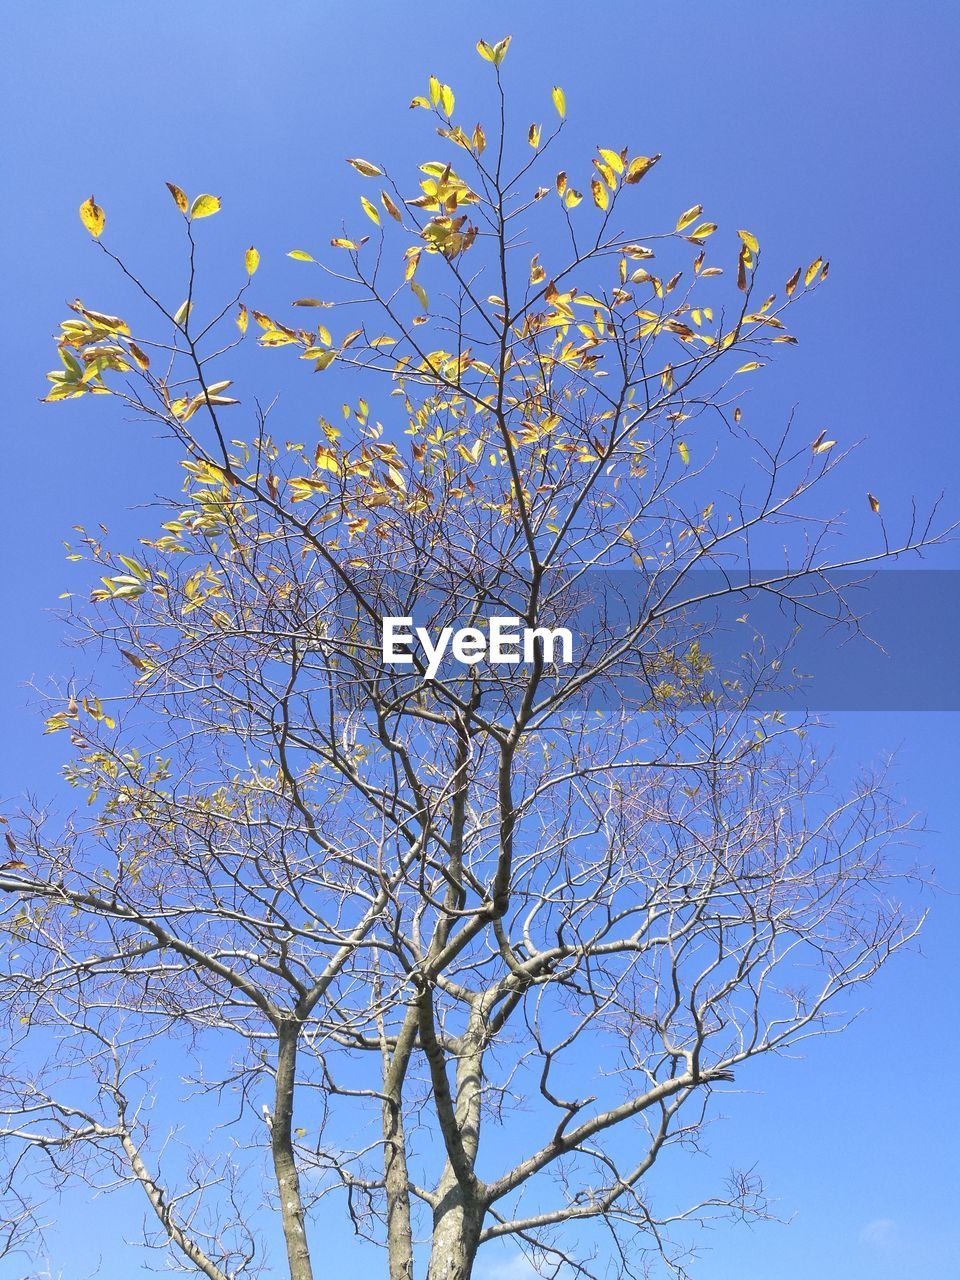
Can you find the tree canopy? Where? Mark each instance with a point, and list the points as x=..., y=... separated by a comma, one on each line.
x=471, y=952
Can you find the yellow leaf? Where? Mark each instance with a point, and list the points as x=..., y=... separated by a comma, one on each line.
x=812, y=270
x=447, y=99
x=421, y=293
x=92, y=217
x=743, y=262
x=639, y=166
x=243, y=319
x=433, y=88
x=702, y=230
x=370, y=210
x=611, y=158
x=874, y=504
x=301, y=255
x=251, y=260
x=792, y=282
x=750, y=240
x=366, y=168
x=204, y=206
x=390, y=207
x=338, y=242
x=749, y=366
x=559, y=101
x=141, y=357
x=179, y=196
x=276, y=338
x=533, y=137
x=494, y=53
x=688, y=217
x=684, y=452
x=572, y=198
x=601, y=197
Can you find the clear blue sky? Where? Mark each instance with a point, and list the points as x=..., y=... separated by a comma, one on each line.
x=826, y=127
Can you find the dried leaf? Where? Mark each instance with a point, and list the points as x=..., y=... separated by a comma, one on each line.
x=92, y=217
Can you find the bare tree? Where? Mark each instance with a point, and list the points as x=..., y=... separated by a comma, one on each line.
x=471, y=949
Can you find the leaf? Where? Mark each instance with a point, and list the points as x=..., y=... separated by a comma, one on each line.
x=421, y=293
x=204, y=206
x=559, y=101
x=141, y=357
x=533, y=136
x=447, y=99
x=326, y=460
x=750, y=240
x=702, y=230
x=390, y=207
x=742, y=264
x=684, y=452
x=572, y=198
x=243, y=319
x=370, y=210
x=601, y=197
x=812, y=270
x=612, y=159
x=494, y=53
x=639, y=166
x=821, y=444
x=749, y=366
x=688, y=217
x=792, y=282
x=301, y=255
x=874, y=504
x=366, y=168
x=338, y=242
x=179, y=196
x=251, y=260
x=92, y=217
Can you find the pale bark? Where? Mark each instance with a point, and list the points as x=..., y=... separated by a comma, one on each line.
x=284, y=1161
x=460, y=1210
x=396, y=1185
x=457, y=1222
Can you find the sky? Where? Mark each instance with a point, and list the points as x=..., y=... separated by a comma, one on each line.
x=825, y=127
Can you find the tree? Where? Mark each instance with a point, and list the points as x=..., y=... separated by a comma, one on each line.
x=381, y=913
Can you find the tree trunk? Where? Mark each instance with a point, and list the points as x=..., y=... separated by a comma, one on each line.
x=399, y=1233
x=458, y=1217
x=456, y=1235
x=284, y=1164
